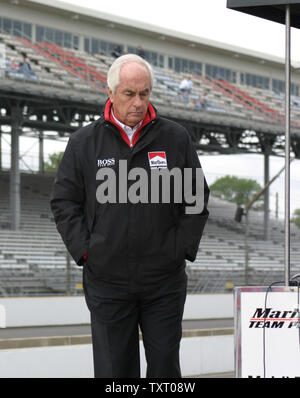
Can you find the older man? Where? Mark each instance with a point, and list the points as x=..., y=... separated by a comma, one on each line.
x=133, y=251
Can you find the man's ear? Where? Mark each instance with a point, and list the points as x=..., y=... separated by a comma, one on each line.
x=110, y=94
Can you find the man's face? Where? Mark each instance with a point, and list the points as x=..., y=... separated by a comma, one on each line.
x=130, y=101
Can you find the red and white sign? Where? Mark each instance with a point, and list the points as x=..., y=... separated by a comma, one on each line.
x=157, y=160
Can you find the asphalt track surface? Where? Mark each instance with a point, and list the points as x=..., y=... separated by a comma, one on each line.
x=74, y=330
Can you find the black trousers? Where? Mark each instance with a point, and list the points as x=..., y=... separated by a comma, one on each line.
x=117, y=314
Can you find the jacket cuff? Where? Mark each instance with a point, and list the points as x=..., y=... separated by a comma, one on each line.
x=82, y=259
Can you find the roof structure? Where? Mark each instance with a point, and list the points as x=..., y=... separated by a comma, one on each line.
x=273, y=10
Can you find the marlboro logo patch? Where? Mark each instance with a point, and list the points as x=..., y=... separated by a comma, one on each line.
x=157, y=160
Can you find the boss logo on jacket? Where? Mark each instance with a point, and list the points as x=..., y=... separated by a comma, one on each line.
x=106, y=162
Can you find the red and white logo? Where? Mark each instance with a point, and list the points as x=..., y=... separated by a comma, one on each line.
x=157, y=160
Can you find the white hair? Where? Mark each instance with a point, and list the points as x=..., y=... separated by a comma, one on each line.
x=113, y=75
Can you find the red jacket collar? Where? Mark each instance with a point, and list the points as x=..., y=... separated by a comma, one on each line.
x=150, y=115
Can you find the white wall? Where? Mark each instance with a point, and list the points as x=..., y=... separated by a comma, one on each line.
x=2, y=316
x=208, y=306
x=71, y=361
x=40, y=311
x=199, y=355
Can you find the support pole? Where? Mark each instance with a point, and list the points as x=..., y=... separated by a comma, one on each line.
x=287, y=142
x=41, y=152
x=15, y=202
x=0, y=149
x=68, y=274
x=246, y=249
x=266, y=193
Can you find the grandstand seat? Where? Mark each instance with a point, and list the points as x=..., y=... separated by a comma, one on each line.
x=64, y=68
x=36, y=252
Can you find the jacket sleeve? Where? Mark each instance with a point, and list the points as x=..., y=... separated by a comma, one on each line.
x=68, y=202
x=192, y=222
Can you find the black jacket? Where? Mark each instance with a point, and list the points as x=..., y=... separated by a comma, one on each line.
x=125, y=241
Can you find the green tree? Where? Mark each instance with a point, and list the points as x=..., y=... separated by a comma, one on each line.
x=54, y=160
x=296, y=218
x=236, y=190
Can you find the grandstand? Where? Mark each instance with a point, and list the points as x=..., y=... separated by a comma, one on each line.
x=34, y=261
x=66, y=88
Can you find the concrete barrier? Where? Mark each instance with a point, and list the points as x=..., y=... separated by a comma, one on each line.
x=200, y=354
x=2, y=316
x=202, y=351
x=43, y=311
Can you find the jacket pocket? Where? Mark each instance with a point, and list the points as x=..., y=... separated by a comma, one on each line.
x=107, y=245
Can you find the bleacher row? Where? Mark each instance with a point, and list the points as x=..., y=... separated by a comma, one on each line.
x=55, y=66
x=33, y=259
x=220, y=264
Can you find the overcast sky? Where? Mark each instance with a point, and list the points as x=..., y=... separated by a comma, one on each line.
x=209, y=19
